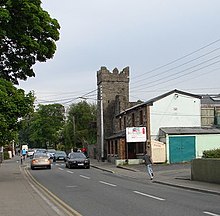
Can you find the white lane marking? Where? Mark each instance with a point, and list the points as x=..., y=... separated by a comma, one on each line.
x=60, y=168
x=71, y=186
x=70, y=171
x=86, y=177
x=210, y=213
x=148, y=195
x=106, y=183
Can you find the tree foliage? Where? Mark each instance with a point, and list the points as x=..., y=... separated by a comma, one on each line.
x=80, y=128
x=27, y=35
x=43, y=129
x=14, y=104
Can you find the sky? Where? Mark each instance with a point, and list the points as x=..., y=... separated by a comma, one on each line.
x=167, y=44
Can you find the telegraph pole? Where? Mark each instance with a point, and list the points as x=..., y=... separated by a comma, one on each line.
x=102, y=125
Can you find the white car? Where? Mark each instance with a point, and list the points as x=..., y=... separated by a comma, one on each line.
x=30, y=152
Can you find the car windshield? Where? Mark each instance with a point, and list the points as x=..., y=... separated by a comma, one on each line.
x=77, y=155
x=40, y=155
x=60, y=153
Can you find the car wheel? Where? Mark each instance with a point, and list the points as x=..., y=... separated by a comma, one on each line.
x=32, y=167
x=49, y=167
x=66, y=166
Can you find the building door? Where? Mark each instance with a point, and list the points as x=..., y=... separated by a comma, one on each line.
x=131, y=150
x=181, y=149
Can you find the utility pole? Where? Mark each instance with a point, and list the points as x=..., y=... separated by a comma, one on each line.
x=74, y=131
x=102, y=125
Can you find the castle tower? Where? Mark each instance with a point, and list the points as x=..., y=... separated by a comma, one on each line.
x=113, y=97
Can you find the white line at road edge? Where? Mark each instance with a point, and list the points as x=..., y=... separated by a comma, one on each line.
x=46, y=200
x=209, y=213
x=86, y=177
x=106, y=183
x=60, y=168
x=148, y=195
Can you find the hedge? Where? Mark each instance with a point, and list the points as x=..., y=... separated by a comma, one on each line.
x=215, y=153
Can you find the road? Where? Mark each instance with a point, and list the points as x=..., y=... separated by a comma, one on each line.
x=93, y=192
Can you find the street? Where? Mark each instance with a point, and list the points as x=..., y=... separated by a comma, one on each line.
x=98, y=193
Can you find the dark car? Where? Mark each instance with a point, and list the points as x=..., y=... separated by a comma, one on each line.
x=59, y=156
x=77, y=160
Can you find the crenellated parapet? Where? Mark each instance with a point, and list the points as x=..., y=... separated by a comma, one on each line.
x=104, y=75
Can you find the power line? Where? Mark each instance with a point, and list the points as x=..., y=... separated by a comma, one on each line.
x=178, y=59
x=185, y=63
x=177, y=73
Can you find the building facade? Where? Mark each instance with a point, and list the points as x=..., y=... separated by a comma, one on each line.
x=113, y=97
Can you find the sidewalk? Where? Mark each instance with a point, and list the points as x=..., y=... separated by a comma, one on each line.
x=176, y=175
x=18, y=197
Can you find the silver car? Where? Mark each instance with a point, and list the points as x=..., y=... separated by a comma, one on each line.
x=40, y=160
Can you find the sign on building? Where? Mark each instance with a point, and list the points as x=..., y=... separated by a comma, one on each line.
x=136, y=134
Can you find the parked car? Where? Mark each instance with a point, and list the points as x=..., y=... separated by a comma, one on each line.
x=59, y=156
x=40, y=160
x=77, y=160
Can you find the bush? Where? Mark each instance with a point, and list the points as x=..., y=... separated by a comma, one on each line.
x=6, y=156
x=215, y=153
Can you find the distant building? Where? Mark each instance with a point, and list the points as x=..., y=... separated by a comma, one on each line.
x=210, y=110
x=159, y=118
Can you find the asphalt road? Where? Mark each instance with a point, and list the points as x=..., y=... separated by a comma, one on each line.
x=93, y=192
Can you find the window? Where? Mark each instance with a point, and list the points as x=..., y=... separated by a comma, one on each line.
x=140, y=147
x=120, y=126
x=125, y=122
x=133, y=120
x=116, y=146
x=141, y=117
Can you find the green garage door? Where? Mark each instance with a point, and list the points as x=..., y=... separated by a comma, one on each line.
x=181, y=149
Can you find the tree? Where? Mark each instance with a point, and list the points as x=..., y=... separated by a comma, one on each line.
x=43, y=129
x=80, y=127
x=27, y=35
x=14, y=104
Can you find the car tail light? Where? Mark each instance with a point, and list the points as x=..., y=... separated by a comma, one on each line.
x=34, y=161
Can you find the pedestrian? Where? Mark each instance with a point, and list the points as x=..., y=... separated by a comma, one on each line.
x=148, y=162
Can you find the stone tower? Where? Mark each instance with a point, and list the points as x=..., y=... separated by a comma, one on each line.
x=113, y=97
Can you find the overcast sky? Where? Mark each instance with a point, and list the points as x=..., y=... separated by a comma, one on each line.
x=167, y=44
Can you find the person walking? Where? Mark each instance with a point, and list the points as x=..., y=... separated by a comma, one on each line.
x=148, y=162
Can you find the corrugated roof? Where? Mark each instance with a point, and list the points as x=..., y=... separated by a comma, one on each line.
x=190, y=130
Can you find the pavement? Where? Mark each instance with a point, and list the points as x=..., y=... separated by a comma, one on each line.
x=21, y=195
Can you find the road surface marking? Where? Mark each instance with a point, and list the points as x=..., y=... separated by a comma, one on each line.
x=209, y=213
x=70, y=171
x=148, y=195
x=60, y=168
x=86, y=177
x=106, y=183
x=54, y=207
x=71, y=186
